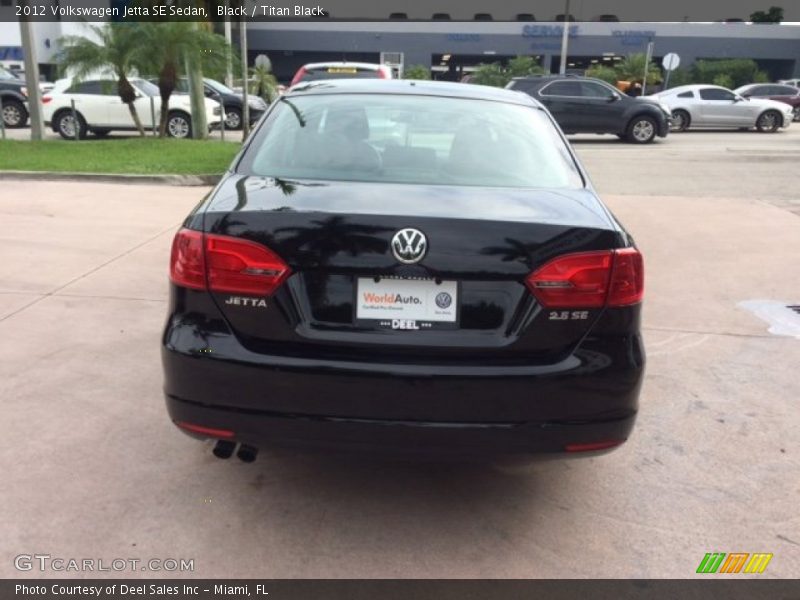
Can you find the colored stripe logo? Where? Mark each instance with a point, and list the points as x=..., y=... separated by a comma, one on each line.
x=735, y=562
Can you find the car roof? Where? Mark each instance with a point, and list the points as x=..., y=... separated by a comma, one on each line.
x=411, y=88
x=343, y=63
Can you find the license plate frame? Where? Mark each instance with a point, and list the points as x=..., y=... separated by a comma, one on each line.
x=430, y=315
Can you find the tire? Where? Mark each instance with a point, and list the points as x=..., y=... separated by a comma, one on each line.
x=15, y=114
x=64, y=125
x=641, y=130
x=179, y=125
x=796, y=113
x=233, y=118
x=680, y=120
x=769, y=121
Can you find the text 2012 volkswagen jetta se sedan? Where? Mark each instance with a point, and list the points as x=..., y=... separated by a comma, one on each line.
x=405, y=265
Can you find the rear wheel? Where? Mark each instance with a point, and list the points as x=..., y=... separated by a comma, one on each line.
x=796, y=113
x=233, y=118
x=642, y=130
x=65, y=125
x=680, y=120
x=769, y=122
x=179, y=125
x=14, y=113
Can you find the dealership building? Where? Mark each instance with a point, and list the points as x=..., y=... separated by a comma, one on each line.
x=451, y=37
x=451, y=48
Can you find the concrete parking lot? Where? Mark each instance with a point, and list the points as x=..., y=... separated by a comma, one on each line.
x=92, y=467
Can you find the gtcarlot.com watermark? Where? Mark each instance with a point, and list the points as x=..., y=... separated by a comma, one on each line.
x=46, y=562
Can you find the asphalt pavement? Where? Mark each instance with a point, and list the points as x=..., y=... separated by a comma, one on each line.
x=92, y=467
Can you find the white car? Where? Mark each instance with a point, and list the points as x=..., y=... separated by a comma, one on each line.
x=718, y=107
x=100, y=110
x=792, y=82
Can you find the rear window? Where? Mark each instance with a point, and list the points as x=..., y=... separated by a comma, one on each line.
x=339, y=72
x=411, y=139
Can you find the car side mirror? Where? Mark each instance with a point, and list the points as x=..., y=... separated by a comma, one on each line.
x=613, y=97
x=739, y=99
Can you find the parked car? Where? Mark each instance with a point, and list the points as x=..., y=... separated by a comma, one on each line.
x=718, y=107
x=232, y=101
x=407, y=265
x=100, y=110
x=587, y=105
x=341, y=70
x=792, y=82
x=773, y=91
x=14, y=98
x=44, y=85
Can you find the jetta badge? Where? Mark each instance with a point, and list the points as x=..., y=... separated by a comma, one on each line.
x=409, y=246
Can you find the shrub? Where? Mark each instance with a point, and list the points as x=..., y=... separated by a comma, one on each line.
x=607, y=74
x=723, y=80
x=417, y=72
x=740, y=71
x=497, y=75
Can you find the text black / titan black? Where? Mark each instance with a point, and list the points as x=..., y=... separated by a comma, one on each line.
x=405, y=266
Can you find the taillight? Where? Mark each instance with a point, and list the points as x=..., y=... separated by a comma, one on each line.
x=235, y=265
x=627, y=278
x=298, y=76
x=46, y=99
x=382, y=73
x=590, y=280
x=225, y=264
x=187, y=265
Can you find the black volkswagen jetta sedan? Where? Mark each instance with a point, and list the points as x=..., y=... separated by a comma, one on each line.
x=408, y=266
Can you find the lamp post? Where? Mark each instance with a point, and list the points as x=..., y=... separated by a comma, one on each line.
x=564, y=40
x=228, y=60
x=32, y=78
x=245, y=102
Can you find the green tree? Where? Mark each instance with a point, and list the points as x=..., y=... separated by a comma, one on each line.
x=604, y=72
x=417, y=72
x=631, y=68
x=263, y=83
x=166, y=49
x=773, y=15
x=117, y=50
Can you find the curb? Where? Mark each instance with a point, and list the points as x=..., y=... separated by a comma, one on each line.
x=182, y=180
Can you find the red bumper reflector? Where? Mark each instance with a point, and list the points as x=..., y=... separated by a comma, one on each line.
x=593, y=446
x=209, y=431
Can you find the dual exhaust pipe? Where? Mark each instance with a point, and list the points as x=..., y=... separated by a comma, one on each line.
x=224, y=449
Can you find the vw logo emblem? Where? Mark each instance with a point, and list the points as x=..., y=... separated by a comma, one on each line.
x=409, y=246
x=443, y=300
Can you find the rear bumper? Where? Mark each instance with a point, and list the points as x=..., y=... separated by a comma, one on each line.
x=591, y=396
x=320, y=433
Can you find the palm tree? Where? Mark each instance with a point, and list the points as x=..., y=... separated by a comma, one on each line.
x=631, y=68
x=168, y=46
x=118, y=49
x=264, y=83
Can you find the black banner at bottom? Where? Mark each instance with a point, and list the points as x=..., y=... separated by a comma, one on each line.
x=403, y=589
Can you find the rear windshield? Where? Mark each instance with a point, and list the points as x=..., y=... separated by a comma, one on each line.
x=339, y=73
x=410, y=139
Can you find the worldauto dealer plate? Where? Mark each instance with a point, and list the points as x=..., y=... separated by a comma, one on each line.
x=407, y=303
